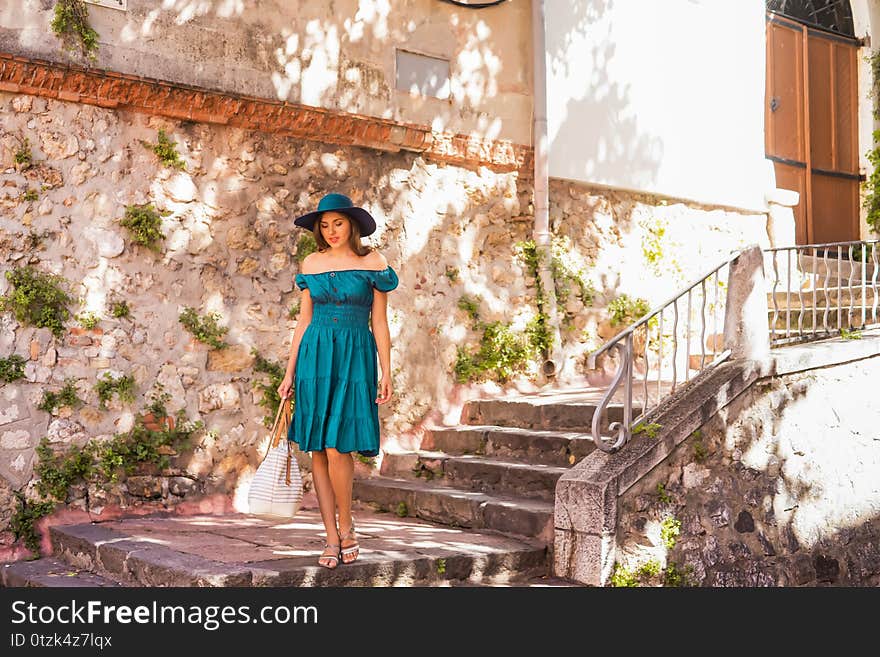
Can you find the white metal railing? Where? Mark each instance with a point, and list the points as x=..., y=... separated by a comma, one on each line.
x=815, y=291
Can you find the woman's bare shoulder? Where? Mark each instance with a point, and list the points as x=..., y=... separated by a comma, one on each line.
x=311, y=264
x=376, y=260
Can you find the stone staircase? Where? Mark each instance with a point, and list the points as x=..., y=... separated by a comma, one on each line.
x=497, y=470
x=473, y=508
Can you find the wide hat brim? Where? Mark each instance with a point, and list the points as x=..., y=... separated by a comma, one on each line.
x=362, y=217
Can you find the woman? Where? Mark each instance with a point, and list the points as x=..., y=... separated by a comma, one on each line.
x=332, y=366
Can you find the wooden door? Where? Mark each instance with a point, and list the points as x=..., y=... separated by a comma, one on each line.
x=811, y=127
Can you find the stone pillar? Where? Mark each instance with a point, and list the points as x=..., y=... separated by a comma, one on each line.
x=780, y=225
x=746, y=325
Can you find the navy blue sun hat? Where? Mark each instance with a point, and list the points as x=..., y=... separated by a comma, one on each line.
x=339, y=203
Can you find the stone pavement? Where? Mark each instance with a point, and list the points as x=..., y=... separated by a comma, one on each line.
x=242, y=550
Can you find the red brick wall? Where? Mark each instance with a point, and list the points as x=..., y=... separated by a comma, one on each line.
x=139, y=94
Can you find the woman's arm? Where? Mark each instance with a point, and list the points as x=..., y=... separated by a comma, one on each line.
x=379, y=324
x=303, y=320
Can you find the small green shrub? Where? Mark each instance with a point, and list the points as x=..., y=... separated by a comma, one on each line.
x=625, y=310
x=676, y=577
x=88, y=320
x=402, y=511
x=24, y=519
x=294, y=311
x=120, y=309
x=30, y=195
x=145, y=225
x=204, y=328
x=38, y=299
x=452, y=273
x=269, y=398
x=848, y=334
x=166, y=151
x=871, y=186
x=305, y=245
x=24, y=159
x=369, y=461
x=501, y=353
x=649, y=429
x=441, y=566
x=12, y=368
x=470, y=307
x=662, y=495
x=107, y=385
x=71, y=25
x=67, y=396
x=670, y=529
x=58, y=471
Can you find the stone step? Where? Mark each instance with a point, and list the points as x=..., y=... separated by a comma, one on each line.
x=823, y=296
x=561, y=448
x=242, y=550
x=50, y=572
x=534, y=413
x=458, y=508
x=792, y=318
x=479, y=473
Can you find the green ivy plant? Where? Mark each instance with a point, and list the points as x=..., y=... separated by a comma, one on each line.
x=670, y=529
x=305, y=245
x=24, y=159
x=38, y=299
x=205, y=328
x=500, y=354
x=166, y=151
x=124, y=387
x=269, y=398
x=24, y=519
x=101, y=462
x=120, y=309
x=12, y=368
x=144, y=223
x=71, y=25
x=88, y=320
x=67, y=396
x=649, y=429
x=625, y=310
x=538, y=329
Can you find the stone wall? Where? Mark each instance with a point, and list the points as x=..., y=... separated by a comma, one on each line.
x=231, y=248
x=779, y=488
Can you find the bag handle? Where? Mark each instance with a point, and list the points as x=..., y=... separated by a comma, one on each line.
x=276, y=437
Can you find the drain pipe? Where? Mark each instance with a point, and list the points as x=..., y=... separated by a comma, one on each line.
x=541, y=232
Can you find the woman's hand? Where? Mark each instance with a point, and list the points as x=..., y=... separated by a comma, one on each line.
x=383, y=392
x=286, y=388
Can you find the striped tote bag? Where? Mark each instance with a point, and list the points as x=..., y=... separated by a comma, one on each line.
x=276, y=489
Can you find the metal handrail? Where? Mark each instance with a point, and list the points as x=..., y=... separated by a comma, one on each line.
x=623, y=342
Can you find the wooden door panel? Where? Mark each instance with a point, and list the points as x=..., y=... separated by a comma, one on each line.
x=822, y=138
x=835, y=209
x=784, y=110
x=846, y=109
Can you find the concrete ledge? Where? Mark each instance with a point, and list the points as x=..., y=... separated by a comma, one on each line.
x=111, y=89
x=586, y=511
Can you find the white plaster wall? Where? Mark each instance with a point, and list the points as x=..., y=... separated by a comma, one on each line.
x=660, y=97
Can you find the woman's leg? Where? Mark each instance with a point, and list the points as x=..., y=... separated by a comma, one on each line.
x=341, y=476
x=326, y=501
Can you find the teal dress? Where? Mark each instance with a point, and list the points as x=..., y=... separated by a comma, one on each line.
x=337, y=371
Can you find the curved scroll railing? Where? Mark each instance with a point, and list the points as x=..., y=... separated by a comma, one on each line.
x=663, y=350
x=814, y=291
